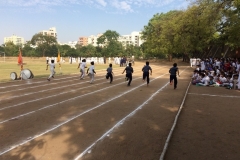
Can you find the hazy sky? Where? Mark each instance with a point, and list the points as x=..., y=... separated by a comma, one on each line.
x=75, y=18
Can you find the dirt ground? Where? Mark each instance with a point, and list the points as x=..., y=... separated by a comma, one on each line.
x=68, y=118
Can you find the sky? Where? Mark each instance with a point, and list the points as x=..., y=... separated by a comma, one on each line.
x=77, y=18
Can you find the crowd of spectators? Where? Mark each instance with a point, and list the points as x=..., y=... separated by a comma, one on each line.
x=216, y=72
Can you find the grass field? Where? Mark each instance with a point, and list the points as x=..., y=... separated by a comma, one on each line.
x=38, y=67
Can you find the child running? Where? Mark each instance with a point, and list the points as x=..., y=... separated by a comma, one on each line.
x=91, y=72
x=109, y=73
x=146, y=70
x=173, y=74
x=52, y=67
x=82, y=68
x=129, y=71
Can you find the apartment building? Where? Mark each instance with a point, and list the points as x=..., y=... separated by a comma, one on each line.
x=15, y=39
x=83, y=41
x=51, y=32
x=133, y=39
x=93, y=40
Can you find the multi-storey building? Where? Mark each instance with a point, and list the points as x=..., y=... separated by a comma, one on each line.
x=93, y=40
x=83, y=41
x=15, y=39
x=51, y=32
x=133, y=39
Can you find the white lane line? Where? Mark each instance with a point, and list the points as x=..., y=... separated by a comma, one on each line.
x=59, y=125
x=46, y=84
x=212, y=95
x=174, y=124
x=101, y=70
x=56, y=95
x=22, y=115
x=48, y=106
x=121, y=121
x=41, y=91
x=58, y=78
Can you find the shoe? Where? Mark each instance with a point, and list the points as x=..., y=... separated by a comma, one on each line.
x=171, y=83
x=52, y=76
x=128, y=85
x=48, y=79
x=175, y=87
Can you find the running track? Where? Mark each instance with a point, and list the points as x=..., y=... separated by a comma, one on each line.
x=68, y=118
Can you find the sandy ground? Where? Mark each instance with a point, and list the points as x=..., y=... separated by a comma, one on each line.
x=68, y=118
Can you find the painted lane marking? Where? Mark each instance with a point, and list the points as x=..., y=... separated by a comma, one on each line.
x=28, y=113
x=59, y=125
x=54, y=96
x=102, y=70
x=212, y=95
x=30, y=93
x=40, y=85
x=121, y=121
x=174, y=124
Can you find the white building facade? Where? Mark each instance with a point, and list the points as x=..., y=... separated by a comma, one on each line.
x=15, y=39
x=51, y=32
x=133, y=39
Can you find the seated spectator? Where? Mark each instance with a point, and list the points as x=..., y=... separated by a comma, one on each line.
x=211, y=81
x=204, y=81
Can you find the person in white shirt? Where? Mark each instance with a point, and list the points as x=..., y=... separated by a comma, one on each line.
x=91, y=72
x=205, y=80
x=52, y=71
x=82, y=68
x=202, y=63
x=222, y=79
x=218, y=63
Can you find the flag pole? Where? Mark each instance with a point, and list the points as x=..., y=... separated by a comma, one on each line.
x=20, y=62
x=59, y=62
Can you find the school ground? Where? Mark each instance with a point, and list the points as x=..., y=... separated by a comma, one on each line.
x=68, y=118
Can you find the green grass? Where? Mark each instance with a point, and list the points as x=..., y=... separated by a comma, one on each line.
x=38, y=67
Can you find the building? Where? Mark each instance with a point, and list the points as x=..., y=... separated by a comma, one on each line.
x=93, y=39
x=133, y=39
x=51, y=32
x=15, y=39
x=83, y=41
x=72, y=44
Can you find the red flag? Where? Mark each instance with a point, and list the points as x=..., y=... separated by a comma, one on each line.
x=20, y=60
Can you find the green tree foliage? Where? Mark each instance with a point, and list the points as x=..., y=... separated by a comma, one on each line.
x=10, y=49
x=28, y=51
x=63, y=49
x=193, y=31
x=44, y=43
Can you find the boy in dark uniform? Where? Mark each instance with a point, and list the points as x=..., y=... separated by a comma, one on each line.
x=146, y=70
x=173, y=74
x=129, y=71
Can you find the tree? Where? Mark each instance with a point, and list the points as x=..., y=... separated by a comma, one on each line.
x=43, y=42
x=11, y=49
x=63, y=49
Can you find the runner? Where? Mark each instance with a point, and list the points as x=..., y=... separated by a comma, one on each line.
x=146, y=70
x=91, y=72
x=129, y=71
x=52, y=71
x=82, y=68
x=109, y=73
x=173, y=74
